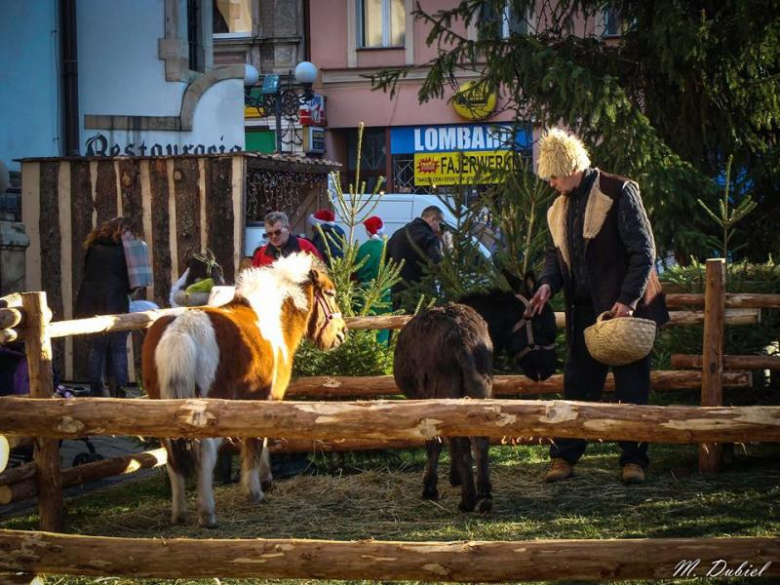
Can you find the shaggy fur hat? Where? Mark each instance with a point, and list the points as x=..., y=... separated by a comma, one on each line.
x=560, y=155
x=374, y=225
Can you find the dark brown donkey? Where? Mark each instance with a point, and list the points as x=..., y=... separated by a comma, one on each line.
x=447, y=352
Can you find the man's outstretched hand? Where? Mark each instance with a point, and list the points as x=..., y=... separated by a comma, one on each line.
x=539, y=300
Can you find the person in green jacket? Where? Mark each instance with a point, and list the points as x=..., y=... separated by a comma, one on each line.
x=372, y=251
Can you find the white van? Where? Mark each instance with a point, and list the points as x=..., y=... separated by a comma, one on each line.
x=398, y=209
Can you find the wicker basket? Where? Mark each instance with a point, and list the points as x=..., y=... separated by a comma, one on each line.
x=617, y=342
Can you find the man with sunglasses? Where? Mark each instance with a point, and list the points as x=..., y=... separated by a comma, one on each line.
x=281, y=242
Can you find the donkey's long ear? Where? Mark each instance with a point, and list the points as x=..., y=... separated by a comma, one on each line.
x=530, y=281
x=514, y=282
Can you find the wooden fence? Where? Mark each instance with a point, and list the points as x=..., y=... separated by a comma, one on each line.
x=360, y=424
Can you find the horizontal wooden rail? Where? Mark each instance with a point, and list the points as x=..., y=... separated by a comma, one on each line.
x=11, y=317
x=323, y=387
x=17, y=474
x=10, y=335
x=395, y=419
x=733, y=300
x=350, y=445
x=733, y=317
x=81, y=474
x=459, y=561
x=730, y=362
x=144, y=320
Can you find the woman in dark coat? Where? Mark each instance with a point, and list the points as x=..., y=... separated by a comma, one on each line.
x=104, y=290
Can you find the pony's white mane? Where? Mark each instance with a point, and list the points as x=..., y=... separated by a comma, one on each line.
x=272, y=285
x=266, y=289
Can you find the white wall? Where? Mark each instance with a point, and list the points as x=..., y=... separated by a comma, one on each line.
x=29, y=80
x=121, y=74
x=217, y=127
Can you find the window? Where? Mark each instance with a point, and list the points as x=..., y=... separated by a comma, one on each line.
x=232, y=18
x=382, y=23
x=502, y=23
x=613, y=24
x=193, y=35
x=372, y=160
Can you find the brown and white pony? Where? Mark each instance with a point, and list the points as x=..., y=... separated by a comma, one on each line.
x=240, y=351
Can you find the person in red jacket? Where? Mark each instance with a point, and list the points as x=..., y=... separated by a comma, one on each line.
x=281, y=242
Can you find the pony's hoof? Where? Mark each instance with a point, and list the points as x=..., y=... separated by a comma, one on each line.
x=485, y=505
x=207, y=522
x=431, y=494
x=255, y=497
x=179, y=519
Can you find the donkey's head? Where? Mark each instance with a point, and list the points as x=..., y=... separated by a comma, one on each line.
x=326, y=326
x=202, y=266
x=531, y=340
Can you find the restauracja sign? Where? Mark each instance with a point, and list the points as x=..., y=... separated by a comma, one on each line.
x=98, y=145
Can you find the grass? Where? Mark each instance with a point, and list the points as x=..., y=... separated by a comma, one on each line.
x=361, y=497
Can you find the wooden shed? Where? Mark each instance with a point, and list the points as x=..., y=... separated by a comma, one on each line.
x=177, y=204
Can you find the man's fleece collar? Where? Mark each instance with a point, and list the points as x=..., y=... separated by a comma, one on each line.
x=596, y=211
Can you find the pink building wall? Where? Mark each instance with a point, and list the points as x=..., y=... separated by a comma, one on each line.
x=351, y=99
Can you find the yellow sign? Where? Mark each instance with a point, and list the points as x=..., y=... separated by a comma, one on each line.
x=460, y=168
x=474, y=100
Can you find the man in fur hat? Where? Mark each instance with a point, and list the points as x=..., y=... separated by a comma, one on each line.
x=602, y=256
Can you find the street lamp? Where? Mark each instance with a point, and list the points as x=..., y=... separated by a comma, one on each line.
x=284, y=101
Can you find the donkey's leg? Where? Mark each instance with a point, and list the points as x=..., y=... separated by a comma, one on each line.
x=206, y=463
x=431, y=476
x=266, y=477
x=178, y=494
x=251, y=454
x=484, y=487
x=455, y=479
x=460, y=451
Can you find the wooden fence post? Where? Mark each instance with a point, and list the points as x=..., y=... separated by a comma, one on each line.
x=47, y=451
x=712, y=354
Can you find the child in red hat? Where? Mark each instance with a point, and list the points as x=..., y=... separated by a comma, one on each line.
x=371, y=250
x=332, y=245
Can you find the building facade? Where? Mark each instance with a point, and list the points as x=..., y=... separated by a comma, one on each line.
x=271, y=36
x=118, y=77
x=414, y=146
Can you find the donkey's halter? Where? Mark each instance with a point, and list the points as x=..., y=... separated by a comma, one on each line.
x=327, y=310
x=526, y=322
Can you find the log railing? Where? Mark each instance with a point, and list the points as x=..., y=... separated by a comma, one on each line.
x=460, y=561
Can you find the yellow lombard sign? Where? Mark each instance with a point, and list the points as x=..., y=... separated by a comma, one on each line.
x=456, y=168
x=475, y=101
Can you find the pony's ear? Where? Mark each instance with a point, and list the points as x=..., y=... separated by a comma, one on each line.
x=515, y=283
x=316, y=277
x=530, y=281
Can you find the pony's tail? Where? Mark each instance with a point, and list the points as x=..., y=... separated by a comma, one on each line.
x=176, y=359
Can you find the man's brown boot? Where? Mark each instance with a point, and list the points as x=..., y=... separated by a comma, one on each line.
x=632, y=473
x=559, y=470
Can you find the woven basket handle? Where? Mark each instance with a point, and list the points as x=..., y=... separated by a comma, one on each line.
x=605, y=316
